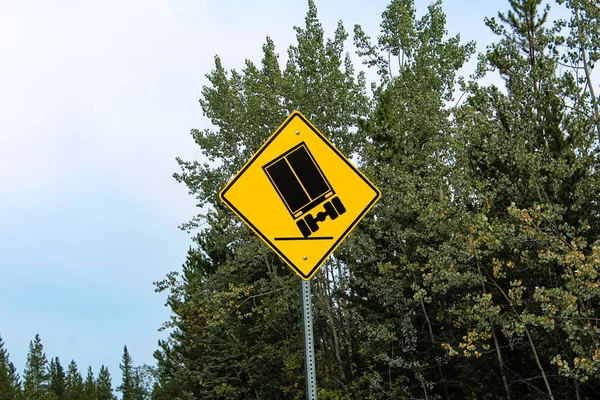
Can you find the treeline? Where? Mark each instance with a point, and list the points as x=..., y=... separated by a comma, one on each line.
x=43, y=380
x=477, y=274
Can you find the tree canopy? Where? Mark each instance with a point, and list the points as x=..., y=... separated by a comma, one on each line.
x=476, y=276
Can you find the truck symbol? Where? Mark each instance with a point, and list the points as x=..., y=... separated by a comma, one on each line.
x=302, y=186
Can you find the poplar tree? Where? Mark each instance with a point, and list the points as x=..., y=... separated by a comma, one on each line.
x=409, y=157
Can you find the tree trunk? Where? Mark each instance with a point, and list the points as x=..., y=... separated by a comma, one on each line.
x=442, y=377
x=501, y=362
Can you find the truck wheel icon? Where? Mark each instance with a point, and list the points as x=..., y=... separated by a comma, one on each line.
x=304, y=229
x=333, y=208
x=339, y=207
x=302, y=186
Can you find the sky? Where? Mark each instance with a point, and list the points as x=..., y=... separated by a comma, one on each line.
x=97, y=98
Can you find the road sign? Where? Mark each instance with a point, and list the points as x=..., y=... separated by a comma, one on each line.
x=300, y=195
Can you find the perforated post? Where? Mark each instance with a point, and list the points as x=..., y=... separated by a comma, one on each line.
x=309, y=346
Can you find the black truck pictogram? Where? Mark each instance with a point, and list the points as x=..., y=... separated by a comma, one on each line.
x=302, y=186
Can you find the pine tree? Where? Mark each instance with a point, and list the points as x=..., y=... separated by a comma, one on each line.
x=16, y=381
x=10, y=386
x=74, y=382
x=104, y=385
x=57, y=378
x=36, y=378
x=143, y=382
x=127, y=387
x=89, y=386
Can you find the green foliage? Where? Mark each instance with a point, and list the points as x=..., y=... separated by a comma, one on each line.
x=128, y=385
x=409, y=158
x=89, y=386
x=137, y=381
x=143, y=382
x=74, y=382
x=583, y=53
x=104, y=385
x=10, y=385
x=36, y=378
x=529, y=186
x=57, y=378
x=236, y=328
x=475, y=276
x=48, y=381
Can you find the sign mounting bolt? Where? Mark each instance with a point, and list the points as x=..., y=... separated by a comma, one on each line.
x=297, y=132
x=305, y=258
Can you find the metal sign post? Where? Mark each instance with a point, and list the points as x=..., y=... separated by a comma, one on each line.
x=309, y=346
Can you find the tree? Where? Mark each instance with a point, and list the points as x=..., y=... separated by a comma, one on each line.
x=584, y=44
x=525, y=175
x=10, y=386
x=127, y=387
x=74, y=382
x=104, y=385
x=57, y=378
x=89, y=386
x=36, y=378
x=409, y=157
x=143, y=377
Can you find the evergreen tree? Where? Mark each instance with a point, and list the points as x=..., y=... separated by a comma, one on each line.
x=16, y=381
x=89, y=386
x=104, y=385
x=57, y=378
x=143, y=378
x=10, y=386
x=127, y=387
x=74, y=382
x=36, y=378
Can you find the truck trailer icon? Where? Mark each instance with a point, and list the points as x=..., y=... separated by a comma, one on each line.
x=302, y=186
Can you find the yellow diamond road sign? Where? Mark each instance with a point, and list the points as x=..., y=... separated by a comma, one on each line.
x=300, y=195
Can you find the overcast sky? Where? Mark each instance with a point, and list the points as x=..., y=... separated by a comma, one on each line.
x=97, y=98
